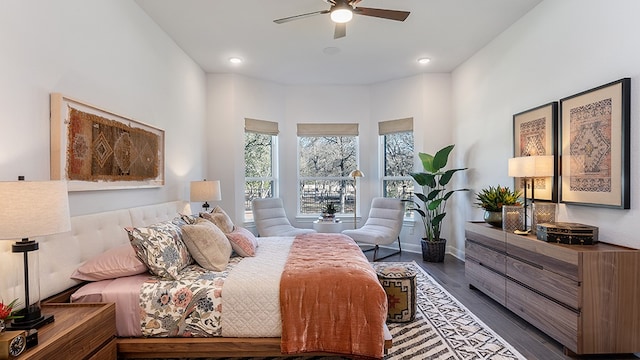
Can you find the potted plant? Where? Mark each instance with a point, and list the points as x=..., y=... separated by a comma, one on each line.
x=492, y=199
x=329, y=211
x=432, y=202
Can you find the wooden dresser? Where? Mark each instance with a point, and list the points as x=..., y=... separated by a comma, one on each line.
x=584, y=296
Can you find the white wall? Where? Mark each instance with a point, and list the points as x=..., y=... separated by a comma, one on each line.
x=107, y=53
x=325, y=104
x=558, y=49
x=427, y=99
x=231, y=98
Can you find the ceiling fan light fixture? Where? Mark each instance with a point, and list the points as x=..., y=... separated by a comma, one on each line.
x=341, y=15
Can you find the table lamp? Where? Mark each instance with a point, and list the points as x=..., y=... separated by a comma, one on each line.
x=205, y=191
x=31, y=209
x=355, y=174
x=530, y=167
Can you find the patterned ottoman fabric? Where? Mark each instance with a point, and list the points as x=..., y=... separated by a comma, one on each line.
x=399, y=282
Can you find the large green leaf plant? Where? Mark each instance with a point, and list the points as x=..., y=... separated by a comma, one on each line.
x=431, y=204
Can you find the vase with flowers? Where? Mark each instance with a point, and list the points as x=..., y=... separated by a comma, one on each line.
x=7, y=313
x=492, y=199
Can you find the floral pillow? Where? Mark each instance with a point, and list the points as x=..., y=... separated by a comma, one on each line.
x=161, y=248
x=243, y=241
x=220, y=218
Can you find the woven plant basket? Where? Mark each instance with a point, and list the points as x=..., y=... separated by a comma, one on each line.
x=433, y=251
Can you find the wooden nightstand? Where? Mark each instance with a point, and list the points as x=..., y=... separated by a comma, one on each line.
x=80, y=331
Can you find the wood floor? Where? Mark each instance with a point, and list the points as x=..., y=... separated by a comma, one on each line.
x=530, y=342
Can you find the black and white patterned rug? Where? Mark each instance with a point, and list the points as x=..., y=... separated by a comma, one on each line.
x=444, y=329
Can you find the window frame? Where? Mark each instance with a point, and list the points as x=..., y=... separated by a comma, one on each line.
x=389, y=128
x=325, y=130
x=264, y=128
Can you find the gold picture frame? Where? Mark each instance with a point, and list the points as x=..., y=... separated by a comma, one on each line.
x=96, y=149
x=595, y=146
x=535, y=133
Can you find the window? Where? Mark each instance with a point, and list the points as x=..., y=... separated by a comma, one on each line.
x=260, y=139
x=327, y=154
x=397, y=159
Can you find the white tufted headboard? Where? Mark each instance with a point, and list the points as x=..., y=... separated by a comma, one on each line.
x=90, y=235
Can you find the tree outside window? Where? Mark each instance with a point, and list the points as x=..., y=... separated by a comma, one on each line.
x=323, y=173
x=398, y=153
x=259, y=155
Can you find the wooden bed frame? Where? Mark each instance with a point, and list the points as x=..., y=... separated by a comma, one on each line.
x=60, y=255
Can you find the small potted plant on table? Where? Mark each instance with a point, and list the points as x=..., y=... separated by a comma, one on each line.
x=329, y=212
x=492, y=199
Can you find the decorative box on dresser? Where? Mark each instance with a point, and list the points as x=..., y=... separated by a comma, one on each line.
x=79, y=331
x=584, y=296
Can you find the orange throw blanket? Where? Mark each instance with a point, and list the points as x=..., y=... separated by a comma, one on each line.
x=330, y=299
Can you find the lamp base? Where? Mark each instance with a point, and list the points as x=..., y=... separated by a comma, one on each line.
x=31, y=324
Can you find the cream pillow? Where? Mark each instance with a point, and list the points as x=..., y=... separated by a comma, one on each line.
x=220, y=218
x=207, y=244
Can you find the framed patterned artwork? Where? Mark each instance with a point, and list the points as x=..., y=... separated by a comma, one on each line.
x=535, y=133
x=95, y=149
x=595, y=135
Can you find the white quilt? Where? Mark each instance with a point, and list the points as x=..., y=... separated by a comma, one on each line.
x=251, y=292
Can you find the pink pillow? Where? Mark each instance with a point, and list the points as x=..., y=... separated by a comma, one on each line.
x=114, y=263
x=243, y=241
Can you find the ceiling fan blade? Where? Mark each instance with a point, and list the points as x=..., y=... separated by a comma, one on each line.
x=301, y=16
x=340, y=31
x=383, y=13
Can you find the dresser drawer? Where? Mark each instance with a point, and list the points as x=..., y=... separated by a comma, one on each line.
x=485, y=256
x=550, y=317
x=554, y=258
x=558, y=287
x=490, y=282
x=487, y=236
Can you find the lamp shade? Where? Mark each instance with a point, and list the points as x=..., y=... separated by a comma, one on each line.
x=205, y=191
x=356, y=173
x=531, y=166
x=33, y=208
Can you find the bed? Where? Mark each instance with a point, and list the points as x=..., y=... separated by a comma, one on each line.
x=304, y=286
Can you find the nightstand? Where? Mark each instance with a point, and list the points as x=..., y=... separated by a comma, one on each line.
x=80, y=331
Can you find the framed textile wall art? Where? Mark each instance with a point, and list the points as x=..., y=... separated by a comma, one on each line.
x=595, y=136
x=95, y=149
x=535, y=133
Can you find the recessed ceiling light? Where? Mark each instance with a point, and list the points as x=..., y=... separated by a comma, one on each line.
x=331, y=50
x=235, y=60
x=423, y=61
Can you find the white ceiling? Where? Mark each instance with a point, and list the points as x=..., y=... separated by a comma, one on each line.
x=374, y=50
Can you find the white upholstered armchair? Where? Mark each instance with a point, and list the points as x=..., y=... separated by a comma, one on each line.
x=382, y=227
x=271, y=219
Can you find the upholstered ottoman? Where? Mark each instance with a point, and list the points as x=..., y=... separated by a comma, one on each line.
x=399, y=282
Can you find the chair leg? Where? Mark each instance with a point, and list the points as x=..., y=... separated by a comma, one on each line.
x=375, y=253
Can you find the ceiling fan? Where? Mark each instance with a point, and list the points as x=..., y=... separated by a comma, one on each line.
x=342, y=11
